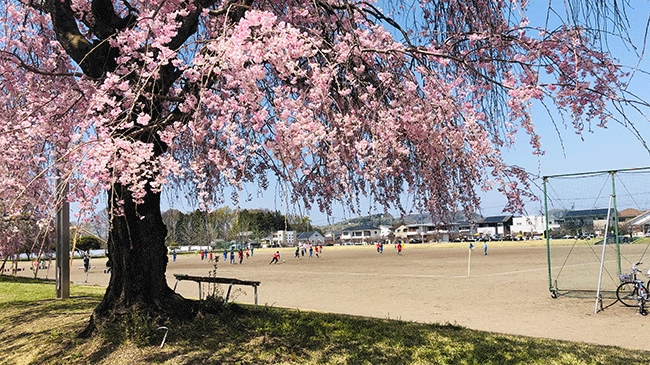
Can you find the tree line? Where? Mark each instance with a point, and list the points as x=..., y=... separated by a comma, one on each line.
x=226, y=225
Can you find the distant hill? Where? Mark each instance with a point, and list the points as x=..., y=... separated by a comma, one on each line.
x=371, y=220
x=381, y=219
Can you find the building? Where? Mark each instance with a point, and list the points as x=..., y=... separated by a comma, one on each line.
x=585, y=221
x=360, y=234
x=639, y=225
x=628, y=214
x=426, y=232
x=310, y=238
x=385, y=232
x=530, y=226
x=497, y=225
x=462, y=230
x=284, y=238
x=332, y=238
x=401, y=233
x=584, y=217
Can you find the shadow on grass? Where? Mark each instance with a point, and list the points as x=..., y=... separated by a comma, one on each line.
x=29, y=311
x=285, y=336
x=24, y=280
x=234, y=334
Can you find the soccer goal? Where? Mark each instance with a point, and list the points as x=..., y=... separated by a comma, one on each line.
x=595, y=229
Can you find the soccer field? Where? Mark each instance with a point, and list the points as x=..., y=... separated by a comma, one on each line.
x=506, y=291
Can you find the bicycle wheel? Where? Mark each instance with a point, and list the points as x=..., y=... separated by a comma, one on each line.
x=627, y=294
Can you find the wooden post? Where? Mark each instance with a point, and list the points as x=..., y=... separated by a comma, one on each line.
x=228, y=294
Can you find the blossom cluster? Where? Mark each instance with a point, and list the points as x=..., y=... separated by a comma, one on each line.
x=321, y=95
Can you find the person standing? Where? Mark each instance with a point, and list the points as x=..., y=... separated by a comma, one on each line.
x=174, y=255
x=297, y=254
x=399, y=248
x=241, y=256
x=485, y=248
x=276, y=257
x=232, y=256
x=317, y=252
x=311, y=252
x=86, y=266
x=225, y=256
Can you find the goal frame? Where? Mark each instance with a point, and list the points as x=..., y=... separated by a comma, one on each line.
x=553, y=287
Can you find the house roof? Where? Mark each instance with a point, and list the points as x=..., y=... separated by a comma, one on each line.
x=305, y=235
x=360, y=228
x=497, y=219
x=430, y=224
x=464, y=223
x=585, y=213
x=629, y=213
x=640, y=220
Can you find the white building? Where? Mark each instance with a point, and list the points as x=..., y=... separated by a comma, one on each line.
x=421, y=232
x=284, y=238
x=530, y=225
x=360, y=234
x=401, y=233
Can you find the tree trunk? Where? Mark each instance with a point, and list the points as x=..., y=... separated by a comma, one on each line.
x=138, y=260
x=2, y=269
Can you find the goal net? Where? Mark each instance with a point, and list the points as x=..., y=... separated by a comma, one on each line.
x=596, y=229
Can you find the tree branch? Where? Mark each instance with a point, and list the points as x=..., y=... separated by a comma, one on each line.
x=107, y=22
x=67, y=31
x=94, y=59
x=189, y=24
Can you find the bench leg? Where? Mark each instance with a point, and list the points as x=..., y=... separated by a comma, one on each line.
x=228, y=294
x=175, y=285
x=199, y=290
x=255, y=296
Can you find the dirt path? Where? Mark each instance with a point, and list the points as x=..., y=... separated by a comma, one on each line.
x=507, y=290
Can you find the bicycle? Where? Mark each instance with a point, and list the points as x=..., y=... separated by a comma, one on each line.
x=632, y=292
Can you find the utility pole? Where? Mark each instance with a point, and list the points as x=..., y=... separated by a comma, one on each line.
x=62, y=240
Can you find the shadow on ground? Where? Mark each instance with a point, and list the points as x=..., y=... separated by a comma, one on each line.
x=234, y=334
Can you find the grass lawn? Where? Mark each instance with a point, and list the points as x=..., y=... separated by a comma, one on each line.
x=36, y=329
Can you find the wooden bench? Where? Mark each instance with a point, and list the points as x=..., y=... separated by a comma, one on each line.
x=211, y=279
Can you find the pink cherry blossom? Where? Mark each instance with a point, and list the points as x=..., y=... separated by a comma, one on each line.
x=328, y=97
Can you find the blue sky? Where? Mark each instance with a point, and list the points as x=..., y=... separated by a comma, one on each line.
x=612, y=148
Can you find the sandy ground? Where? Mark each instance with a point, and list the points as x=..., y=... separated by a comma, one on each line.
x=506, y=291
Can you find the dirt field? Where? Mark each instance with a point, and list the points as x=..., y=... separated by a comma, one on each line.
x=506, y=291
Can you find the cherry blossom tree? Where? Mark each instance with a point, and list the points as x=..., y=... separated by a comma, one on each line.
x=336, y=98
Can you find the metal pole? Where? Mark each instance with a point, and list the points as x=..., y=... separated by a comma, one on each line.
x=601, y=172
x=62, y=241
x=469, y=258
x=618, y=243
x=548, y=239
x=602, y=259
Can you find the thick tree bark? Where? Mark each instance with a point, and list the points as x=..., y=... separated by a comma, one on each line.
x=138, y=260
